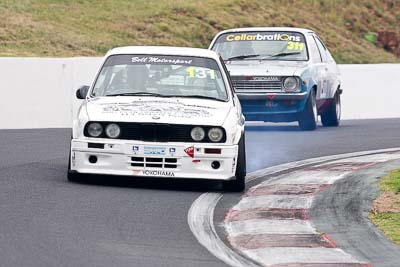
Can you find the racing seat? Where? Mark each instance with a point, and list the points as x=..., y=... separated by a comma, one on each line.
x=137, y=77
x=243, y=48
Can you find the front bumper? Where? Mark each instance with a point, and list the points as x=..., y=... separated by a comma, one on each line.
x=272, y=96
x=273, y=107
x=148, y=159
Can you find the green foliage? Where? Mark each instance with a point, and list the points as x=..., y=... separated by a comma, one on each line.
x=389, y=223
x=87, y=28
x=391, y=182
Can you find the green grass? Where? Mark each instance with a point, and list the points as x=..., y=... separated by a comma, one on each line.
x=87, y=28
x=389, y=222
x=391, y=182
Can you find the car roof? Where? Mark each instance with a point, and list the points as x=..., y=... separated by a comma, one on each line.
x=261, y=29
x=164, y=50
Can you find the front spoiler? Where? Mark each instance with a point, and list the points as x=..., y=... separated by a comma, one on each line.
x=129, y=158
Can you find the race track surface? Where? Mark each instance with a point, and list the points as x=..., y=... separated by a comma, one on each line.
x=47, y=221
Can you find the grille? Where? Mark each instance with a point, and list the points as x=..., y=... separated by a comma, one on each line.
x=155, y=132
x=257, y=83
x=160, y=163
x=150, y=132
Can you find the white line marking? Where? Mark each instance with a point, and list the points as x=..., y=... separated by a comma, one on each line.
x=278, y=255
x=261, y=226
x=308, y=177
x=201, y=213
x=275, y=202
x=201, y=223
x=373, y=158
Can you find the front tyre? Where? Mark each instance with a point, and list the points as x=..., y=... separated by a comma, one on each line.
x=331, y=118
x=238, y=185
x=309, y=116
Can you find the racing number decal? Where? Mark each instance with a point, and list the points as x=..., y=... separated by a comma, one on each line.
x=295, y=46
x=200, y=73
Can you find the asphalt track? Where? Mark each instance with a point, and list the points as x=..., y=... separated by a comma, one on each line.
x=46, y=221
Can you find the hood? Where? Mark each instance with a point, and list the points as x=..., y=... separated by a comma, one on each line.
x=265, y=67
x=157, y=110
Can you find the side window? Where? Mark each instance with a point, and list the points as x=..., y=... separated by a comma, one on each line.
x=322, y=49
x=312, y=46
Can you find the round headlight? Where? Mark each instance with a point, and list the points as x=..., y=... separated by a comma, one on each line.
x=95, y=129
x=113, y=130
x=215, y=134
x=290, y=84
x=197, y=134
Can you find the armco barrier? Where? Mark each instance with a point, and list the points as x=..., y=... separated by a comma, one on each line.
x=40, y=92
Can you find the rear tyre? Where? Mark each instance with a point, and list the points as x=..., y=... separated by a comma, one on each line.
x=309, y=116
x=238, y=185
x=331, y=118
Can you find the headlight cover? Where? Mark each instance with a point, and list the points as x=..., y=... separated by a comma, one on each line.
x=215, y=134
x=95, y=129
x=197, y=134
x=290, y=84
x=113, y=130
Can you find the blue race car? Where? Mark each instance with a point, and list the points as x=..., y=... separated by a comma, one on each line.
x=282, y=75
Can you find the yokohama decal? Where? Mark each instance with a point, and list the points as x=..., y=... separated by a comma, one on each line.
x=159, y=173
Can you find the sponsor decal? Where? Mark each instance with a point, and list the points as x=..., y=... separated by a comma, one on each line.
x=158, y=109
x=267, y=78
x=233, y=165
x=73, y=159
x=136, y=172
x=263, y=37
x=172, y=150
x=164, y=60
x=159, y=173
x=271, y=104
x=154, y=150
x=271, y=96
x=190, y=151
x=196, y=161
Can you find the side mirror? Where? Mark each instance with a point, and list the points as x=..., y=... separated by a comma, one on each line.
x=82, y=92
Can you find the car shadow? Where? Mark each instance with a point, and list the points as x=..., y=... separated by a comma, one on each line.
x=172, y=184
x=272, y=128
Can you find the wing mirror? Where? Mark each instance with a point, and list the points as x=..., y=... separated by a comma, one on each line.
x=82, y=92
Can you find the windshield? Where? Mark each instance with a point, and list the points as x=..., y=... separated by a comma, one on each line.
x=262, y=45
x=161, y=76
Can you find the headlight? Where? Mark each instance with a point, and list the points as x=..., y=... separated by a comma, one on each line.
x=95, y=129
x=113, y=130
x=215, y=134
x=197, y=134
x=290, y=84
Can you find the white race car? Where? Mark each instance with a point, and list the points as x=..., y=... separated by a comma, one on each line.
x=160, y=112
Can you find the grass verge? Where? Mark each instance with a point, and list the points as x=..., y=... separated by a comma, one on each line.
x=386, y=208
x=60, y=28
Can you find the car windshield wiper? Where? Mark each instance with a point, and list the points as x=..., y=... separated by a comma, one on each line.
x=139, y=94
x=242, y=57
x=285, y=54
x=200, y=96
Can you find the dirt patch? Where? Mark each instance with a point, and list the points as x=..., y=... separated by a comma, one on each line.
x=387, y=202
